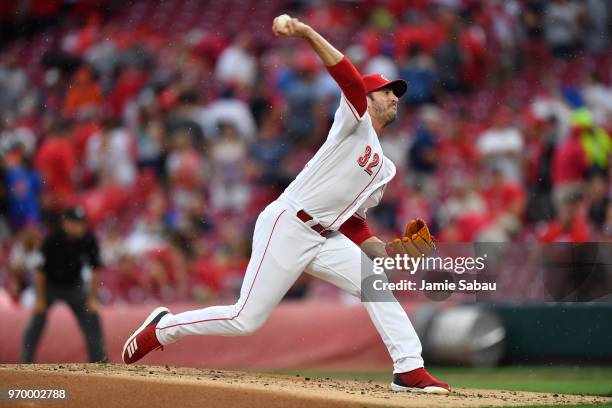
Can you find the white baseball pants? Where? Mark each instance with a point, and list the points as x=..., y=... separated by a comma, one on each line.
x=283, y=248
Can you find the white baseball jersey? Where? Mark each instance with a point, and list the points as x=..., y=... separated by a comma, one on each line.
x=347, y=175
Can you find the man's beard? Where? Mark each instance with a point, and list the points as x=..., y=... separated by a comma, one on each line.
x=391, y=118
x=385, y=117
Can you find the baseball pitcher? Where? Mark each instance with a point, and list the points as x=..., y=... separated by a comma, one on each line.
x=318, y=226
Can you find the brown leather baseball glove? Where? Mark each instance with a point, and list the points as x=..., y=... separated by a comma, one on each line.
x=416, y=241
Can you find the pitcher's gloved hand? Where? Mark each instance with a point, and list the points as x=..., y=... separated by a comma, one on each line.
x=417, y=240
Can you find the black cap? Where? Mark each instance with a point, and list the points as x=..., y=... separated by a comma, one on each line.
x=74, y=214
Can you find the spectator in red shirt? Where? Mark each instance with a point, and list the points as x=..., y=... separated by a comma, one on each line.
x=457, y=149
x=504, y=196
x=83, y=92
x=56, y=162
x=569, y=168
x=570, y=225
x=129, y=82
x=86, y=127
x=506, y=203
x=467, y=227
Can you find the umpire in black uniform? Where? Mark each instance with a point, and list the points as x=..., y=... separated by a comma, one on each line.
x=66, y=251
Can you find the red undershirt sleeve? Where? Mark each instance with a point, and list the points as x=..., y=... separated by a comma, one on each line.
x=356, y=229
x=349, y=80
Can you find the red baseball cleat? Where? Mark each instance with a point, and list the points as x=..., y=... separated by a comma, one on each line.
x=143, y=340
x=419, y=380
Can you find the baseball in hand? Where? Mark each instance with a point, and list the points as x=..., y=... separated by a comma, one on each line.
x=281, y=24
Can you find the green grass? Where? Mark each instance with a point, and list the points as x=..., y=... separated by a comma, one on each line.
x=553, y=379
x=561, y=379
x=569, y=406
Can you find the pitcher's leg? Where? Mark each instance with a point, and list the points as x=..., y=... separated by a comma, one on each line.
x=281, y=250
x=339, y=262
x=397, y=333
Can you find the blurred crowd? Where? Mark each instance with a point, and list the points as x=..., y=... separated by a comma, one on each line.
x=174, y=123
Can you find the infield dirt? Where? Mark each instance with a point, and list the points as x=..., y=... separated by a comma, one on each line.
x=114, y=386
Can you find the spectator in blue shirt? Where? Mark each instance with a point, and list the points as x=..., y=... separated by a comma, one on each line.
x=419, y=70
x=23, y=186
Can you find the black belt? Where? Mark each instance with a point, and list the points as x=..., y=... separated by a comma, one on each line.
x=318, y=228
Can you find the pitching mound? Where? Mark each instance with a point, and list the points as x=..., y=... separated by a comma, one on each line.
x=111, y=386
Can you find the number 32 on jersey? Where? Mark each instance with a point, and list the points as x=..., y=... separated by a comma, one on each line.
x=364, y=161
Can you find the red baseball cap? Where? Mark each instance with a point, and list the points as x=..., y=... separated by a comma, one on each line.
x=374, y=82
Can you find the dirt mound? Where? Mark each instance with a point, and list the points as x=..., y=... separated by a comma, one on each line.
x=111, y=385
